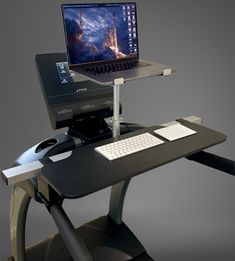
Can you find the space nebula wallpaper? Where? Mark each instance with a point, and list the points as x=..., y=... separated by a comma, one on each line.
x=99, y=33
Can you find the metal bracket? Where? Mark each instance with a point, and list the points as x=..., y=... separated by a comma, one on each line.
x=193, y=119
x=167, y=72
x=29, y=170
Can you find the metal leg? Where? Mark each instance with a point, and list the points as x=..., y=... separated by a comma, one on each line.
x=74, y=243
x=20, y=200
x=116, y=105
x=117, y=198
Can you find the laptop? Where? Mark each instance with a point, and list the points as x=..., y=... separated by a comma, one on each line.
x=102, y=42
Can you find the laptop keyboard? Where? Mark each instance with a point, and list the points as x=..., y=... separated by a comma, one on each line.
x=115, y=67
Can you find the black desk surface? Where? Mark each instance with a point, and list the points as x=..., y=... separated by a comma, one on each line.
x=85, y=171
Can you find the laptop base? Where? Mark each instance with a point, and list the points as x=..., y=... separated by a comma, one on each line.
x=105, y=240
x=152, y=70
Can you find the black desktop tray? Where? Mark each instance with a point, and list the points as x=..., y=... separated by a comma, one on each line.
x=85, y=171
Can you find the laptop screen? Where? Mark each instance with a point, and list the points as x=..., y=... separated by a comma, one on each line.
x=100, y=32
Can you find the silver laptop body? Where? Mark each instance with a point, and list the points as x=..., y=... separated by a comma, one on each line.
x=102, y=42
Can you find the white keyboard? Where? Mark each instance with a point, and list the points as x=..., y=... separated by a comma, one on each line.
x=122, y=148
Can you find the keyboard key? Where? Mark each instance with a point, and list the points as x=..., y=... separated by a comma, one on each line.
x=115, y=67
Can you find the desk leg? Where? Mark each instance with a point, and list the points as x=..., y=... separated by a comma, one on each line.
x=20, y=200
x=118, y=193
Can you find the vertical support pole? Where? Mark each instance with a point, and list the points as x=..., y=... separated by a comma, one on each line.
x=116, y=106
x=118, y=191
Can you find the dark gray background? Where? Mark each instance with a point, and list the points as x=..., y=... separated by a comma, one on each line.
x=182, y=211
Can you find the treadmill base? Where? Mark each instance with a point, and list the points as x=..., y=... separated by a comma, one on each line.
x=105, y=240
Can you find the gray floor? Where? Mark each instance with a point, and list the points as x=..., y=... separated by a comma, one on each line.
x=182, y=211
